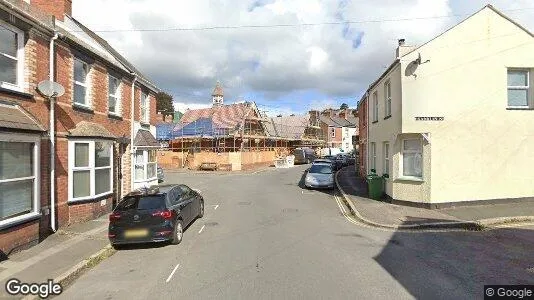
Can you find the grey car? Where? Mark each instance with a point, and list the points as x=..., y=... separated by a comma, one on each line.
x=320, y=175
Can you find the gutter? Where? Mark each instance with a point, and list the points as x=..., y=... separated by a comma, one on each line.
x=53, y=224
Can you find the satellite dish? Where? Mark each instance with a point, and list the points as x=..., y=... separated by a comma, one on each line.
x=50, y=89
x=411, y=68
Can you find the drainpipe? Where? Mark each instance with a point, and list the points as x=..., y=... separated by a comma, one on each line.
x=53, y=224
x=132, y=152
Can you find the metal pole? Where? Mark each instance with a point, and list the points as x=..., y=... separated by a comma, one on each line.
x=182, y=137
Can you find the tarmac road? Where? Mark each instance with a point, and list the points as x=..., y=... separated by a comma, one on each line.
x=265, y=237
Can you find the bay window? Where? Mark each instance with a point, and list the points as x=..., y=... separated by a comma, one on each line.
x=412, y=158
x=19, y=178
x=11, y=57
x=145, y=165
x=91, y=167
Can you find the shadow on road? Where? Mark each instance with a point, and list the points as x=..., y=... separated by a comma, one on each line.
x=457, y=265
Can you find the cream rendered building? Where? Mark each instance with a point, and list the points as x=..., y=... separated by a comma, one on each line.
x=453, y=119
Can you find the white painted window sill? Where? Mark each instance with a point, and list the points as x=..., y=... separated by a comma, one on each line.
x=410, y=178
x=19, y=219
x=519, y=108
x=145, y=180
x=82, y=199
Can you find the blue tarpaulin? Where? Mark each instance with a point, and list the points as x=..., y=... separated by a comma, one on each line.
x=202, y=127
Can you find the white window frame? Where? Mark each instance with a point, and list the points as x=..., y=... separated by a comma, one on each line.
x=117, y=96
x=145, y=108
x=372, y=157
x=387, y=99
x=36, y=204
x=401, y=160
x=375, y=107
x=527, y=88
x=91, y=168
x=145, y=164
x=19, y=86
x=85, y=84
x=386, y=150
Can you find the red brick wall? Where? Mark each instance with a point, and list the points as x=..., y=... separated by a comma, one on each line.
x=36, y=69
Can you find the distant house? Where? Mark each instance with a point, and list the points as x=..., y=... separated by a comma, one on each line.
x=362, y=136
x=451, y=122
x=339, y=126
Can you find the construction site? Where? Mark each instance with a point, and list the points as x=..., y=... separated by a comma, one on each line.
x=234, y=137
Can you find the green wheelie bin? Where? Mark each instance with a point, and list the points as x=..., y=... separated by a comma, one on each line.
x=375, y=185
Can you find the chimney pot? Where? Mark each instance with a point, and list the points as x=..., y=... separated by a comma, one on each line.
x=401, y=42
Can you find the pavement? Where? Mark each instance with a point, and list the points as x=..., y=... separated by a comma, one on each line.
x=386, y=215
x=56, y=256
x=265, y=236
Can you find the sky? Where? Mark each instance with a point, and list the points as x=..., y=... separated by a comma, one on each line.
x=298, y=64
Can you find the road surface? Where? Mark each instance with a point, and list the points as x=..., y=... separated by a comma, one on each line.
x=265, y=237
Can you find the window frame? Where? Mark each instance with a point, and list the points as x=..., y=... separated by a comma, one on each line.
x=145, y=163
x=144, y=108
x=20, y=59
x=375, y=107
x=117, y=96
x=386, y=155
x=333, y=132
x=372, y=157
x=92, y=168
x=387, y=99
x=85, y=85
x=401, y=161
x=527, y=88
x=36, y=168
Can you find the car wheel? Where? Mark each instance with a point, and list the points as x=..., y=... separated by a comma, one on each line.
x=117, y=246
x=178, y=233
x=201, y=210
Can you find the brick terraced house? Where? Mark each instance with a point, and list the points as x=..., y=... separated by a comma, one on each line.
x=104, y=134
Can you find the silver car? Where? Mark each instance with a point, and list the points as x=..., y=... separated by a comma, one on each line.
x=320, y=175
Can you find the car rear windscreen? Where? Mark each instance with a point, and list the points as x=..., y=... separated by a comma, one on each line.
x=142, y=202
x=320, y=169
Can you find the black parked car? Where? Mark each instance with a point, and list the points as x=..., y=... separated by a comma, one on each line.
x=154, y=214
x=335, y=163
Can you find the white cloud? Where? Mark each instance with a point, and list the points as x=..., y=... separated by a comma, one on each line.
x=272, y=61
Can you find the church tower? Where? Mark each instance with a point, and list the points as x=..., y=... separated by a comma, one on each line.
x=217, y=95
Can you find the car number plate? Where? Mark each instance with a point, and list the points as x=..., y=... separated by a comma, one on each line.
x=135, y=233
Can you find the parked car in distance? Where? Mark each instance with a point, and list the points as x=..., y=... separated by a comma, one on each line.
x=320, y=175
x=324, y=161
x=335, y=163
x=155, y=214
x=303, y=155
x=342, y=159
x=161, y=177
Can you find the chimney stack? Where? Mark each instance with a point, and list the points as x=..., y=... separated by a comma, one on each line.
x=57, y=8
x=401, y=42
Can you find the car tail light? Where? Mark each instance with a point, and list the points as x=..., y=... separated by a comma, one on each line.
x=165, y=214
x=114, y=217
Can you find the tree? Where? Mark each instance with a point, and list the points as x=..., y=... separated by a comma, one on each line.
x=164, y=104
x=344, y=106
